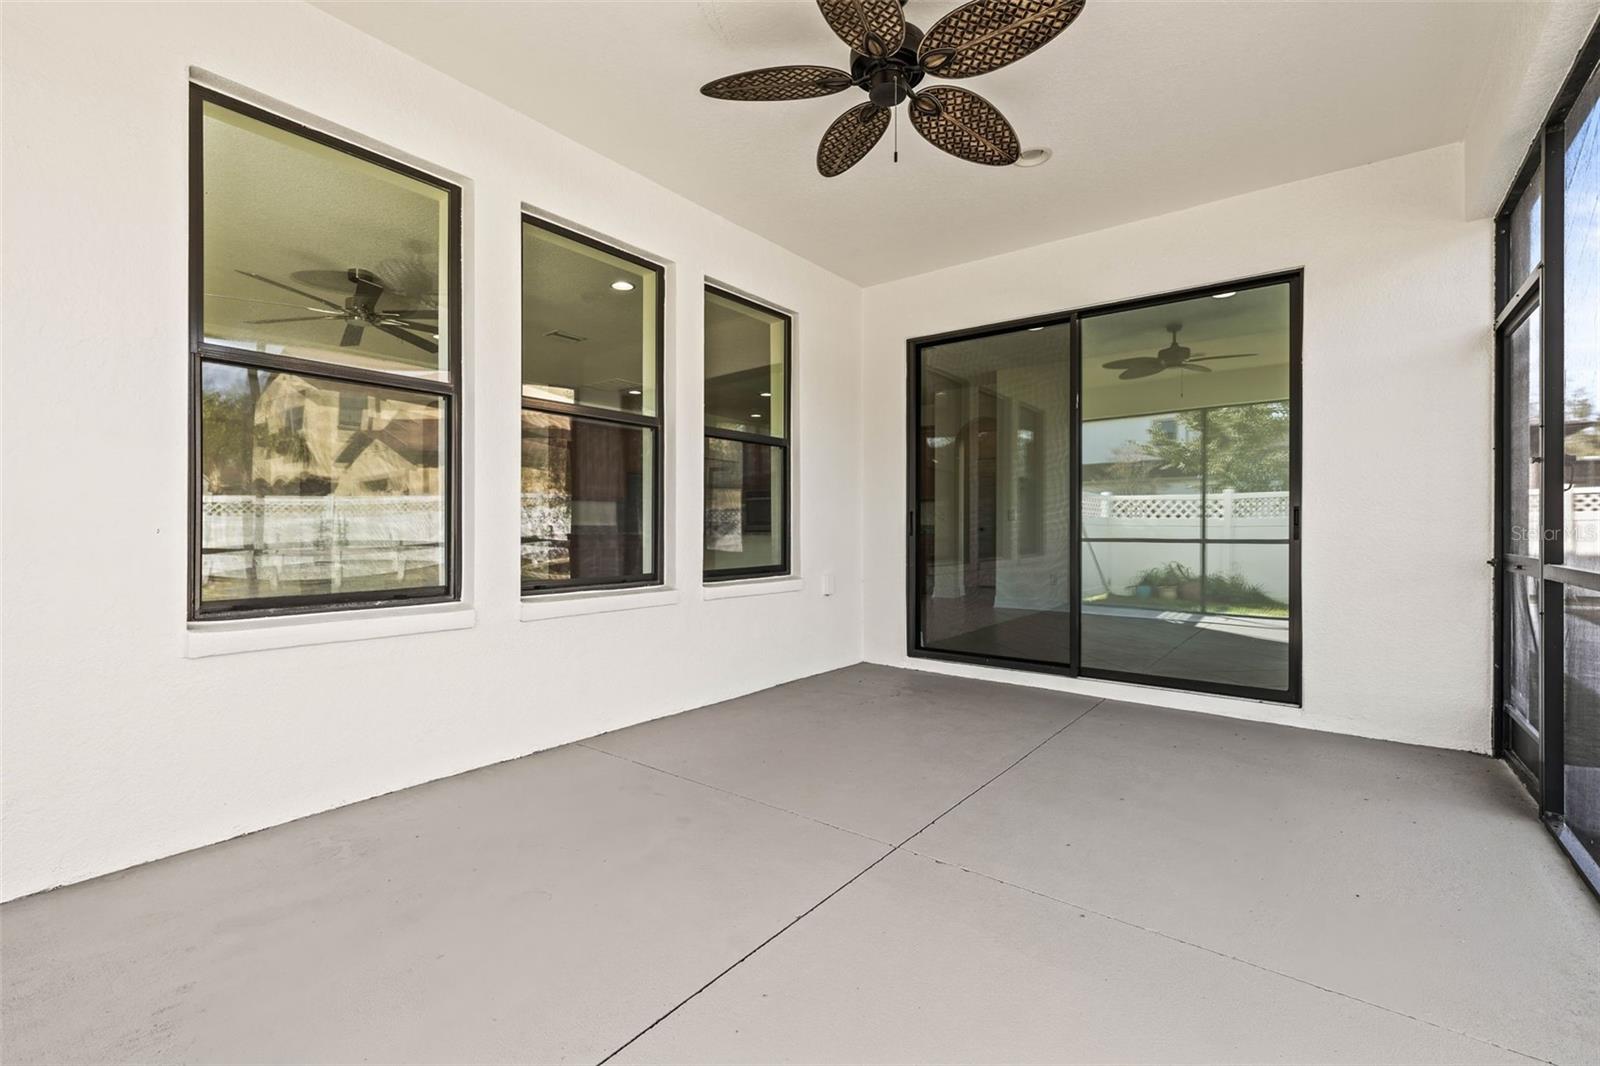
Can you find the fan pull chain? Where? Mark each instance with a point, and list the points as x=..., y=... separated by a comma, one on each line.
x=897, y=135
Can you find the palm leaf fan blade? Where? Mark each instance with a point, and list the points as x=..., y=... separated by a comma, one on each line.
x=965, y=125
x=779, y=83
x=986, y=35
x=850, y=137
x=873, y=28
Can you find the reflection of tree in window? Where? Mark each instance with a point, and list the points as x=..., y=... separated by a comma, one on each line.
x=1243, y=448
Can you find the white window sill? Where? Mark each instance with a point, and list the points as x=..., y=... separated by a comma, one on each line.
x=596, y=601
x=759, y=586
x=206, y=639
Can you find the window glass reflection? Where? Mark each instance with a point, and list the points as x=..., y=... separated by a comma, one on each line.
x=1186, y=503
x=1581, y=342
x=589, y=324
x=745, y=367
x=993, y=524
x=586, y=500
x=315, y=253
x=314, y=487
x=744, y=505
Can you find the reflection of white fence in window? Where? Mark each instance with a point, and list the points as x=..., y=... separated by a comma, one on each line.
x=725, y=529
x=1583, y=527
x=546, y=528
x=320, y=538
x=1226, y=505
x=1116, y=567
x=724, y=503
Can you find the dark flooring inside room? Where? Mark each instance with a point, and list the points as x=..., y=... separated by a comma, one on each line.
x=1226, y=649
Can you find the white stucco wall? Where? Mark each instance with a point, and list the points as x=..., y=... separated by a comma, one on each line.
x=120, y=749
x=1396, y=425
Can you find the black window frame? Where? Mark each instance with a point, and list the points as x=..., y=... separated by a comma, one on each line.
x=1292, y=694
x=784, y=443
x=655, y=424
x=448, y=393
x=1539, y=761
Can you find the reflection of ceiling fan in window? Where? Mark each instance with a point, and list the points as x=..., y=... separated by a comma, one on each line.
x=418, y=326
x=1173, y=357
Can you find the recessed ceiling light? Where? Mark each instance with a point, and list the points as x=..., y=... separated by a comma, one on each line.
x=622, y=286
x=1222, y=295
x=754, y=415
x=1032, y=157
x=635, y=392
x=766, y=395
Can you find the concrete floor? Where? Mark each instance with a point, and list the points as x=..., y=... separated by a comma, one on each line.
x=872, y=865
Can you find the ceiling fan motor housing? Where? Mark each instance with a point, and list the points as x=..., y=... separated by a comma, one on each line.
x=1174, y=353
x=889, y=81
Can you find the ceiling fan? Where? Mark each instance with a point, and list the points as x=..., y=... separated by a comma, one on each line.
x=1173, y=357
x=889, y=58
x=360, y=311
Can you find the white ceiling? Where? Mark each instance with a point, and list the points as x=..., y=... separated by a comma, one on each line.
x=1150, y=106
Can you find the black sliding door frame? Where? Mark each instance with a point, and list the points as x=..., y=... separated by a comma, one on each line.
x=1542, y=292
x=915, y=548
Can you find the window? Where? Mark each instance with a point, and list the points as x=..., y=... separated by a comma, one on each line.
x=591, y=413
x=747, y=439
x=325, y=361
x=1113, y=492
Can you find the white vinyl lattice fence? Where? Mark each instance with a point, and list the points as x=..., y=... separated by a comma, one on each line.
x=1171, y=523
x=319, y=538
x=1227, y=514
x=1583, y=527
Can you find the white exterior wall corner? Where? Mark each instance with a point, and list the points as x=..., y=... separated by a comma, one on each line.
x=1397, y=429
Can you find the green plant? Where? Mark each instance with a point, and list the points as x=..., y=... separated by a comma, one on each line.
x=1234, y=589
x=1165, y=574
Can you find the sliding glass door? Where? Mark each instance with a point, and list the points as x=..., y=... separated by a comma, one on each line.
x=1186, y=481
x=993, y=448
x=1114, y=492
